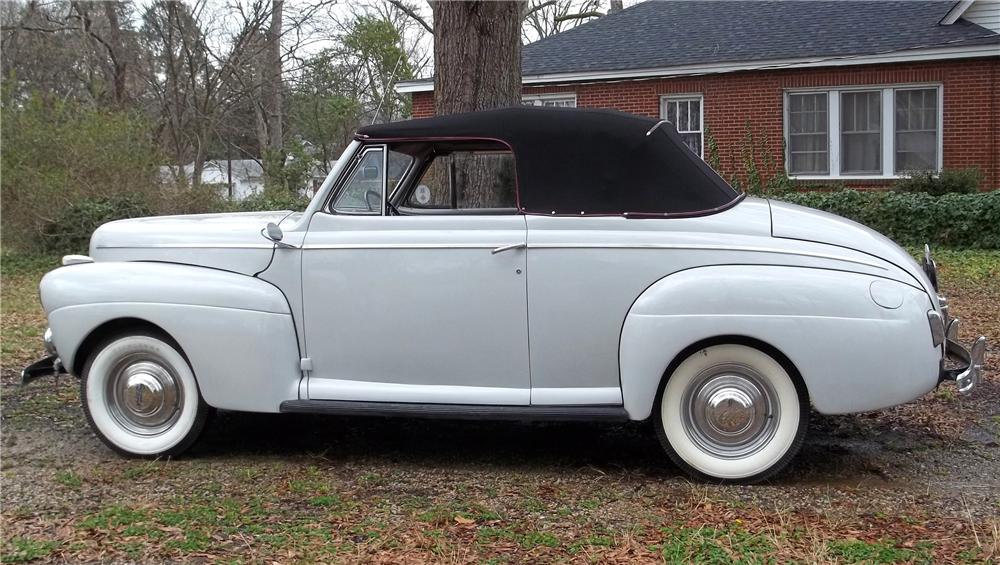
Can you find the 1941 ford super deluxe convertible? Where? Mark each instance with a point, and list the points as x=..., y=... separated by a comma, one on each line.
x=523, y=263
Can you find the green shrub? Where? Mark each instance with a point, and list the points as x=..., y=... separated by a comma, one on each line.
x=961, y=181
x=60, y=155
x=271, y=200
x=954, y=220
x=187, y=199
x=70, y=230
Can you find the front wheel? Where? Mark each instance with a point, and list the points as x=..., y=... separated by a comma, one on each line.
x=140, y=396
x=733, y=413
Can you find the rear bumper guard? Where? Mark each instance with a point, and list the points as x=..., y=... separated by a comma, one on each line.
x=969, y=373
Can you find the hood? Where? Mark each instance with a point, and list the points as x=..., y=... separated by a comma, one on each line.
x=791, y=221
x=231, y=242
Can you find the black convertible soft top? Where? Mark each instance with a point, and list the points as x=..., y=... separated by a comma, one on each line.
x=583, y=161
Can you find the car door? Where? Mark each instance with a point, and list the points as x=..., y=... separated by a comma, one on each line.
x=413, y=308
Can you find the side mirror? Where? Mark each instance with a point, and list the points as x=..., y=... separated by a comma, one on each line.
x=274, y=233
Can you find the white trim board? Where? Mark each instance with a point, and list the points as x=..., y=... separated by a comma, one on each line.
x=914, y=55
x=955, y=12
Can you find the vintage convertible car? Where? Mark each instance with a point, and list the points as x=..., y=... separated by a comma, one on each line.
x=523, y=263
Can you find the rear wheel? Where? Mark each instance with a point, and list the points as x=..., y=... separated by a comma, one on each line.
x=140, y=396
x=731, y=412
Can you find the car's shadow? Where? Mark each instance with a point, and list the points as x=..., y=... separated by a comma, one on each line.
x=827, y=455
x=429, y=442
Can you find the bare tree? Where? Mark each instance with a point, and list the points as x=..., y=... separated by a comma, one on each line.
x=35, y=35
x=543, y=18
x=192, y=84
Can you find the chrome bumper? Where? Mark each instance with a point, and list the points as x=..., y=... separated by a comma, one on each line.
x=50, y=365
x=944, y=329
x=45, y=367
x=970, y=372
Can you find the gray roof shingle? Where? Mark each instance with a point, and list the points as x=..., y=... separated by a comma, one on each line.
x=660, y=34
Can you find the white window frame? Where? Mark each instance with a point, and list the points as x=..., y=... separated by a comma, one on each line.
x=531, y=99
x=664, y=100
x=888, y=129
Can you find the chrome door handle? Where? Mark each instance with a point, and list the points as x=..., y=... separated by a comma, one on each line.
x=503, y=248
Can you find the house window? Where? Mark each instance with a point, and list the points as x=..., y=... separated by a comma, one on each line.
x=686, y=113
x=550, y=100
x=808, y=134
x=916, y=129
x=863, y=132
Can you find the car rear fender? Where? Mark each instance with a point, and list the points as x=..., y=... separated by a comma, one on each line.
x=852, y=354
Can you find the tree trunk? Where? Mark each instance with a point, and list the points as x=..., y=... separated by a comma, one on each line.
x=477, y=55
x=477, y=66
x=272, y=78
x=119, y=64
x=268, y=106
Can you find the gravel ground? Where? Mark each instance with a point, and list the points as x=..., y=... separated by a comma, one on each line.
x=916, y=483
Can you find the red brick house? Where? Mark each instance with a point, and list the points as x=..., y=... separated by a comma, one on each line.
x=830, y=92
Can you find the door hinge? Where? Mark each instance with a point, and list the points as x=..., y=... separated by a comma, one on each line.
x=306, y=364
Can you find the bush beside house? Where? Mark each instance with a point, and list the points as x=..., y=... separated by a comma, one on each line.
x=915, y=218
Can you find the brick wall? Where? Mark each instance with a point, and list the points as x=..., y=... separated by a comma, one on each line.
x=732, y=101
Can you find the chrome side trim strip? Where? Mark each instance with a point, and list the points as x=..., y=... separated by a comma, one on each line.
x=370, y=391
x=701, y=247
x=191, y=246
x=491, y=246
x=403, y=245
x=686, y=247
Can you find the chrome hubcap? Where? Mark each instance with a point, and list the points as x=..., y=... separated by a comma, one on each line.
x=730, y=411
x=144, y=395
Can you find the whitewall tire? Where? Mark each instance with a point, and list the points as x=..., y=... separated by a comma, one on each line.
x=731, y=412
x=140, y=396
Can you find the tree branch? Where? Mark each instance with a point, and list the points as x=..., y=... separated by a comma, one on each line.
x=413, y=14
x=528, y=11
x=580, y=16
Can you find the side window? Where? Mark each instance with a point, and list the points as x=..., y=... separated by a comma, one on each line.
x=466, y=180
x=362, y=193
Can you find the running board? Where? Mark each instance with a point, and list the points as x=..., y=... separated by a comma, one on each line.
x=457, y=411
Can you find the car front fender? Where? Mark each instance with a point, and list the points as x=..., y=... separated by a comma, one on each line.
x=235, y=330
x=852, y=353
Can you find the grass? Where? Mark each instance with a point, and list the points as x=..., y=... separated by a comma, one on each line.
x=22, y=319
x=22, y=550
x=69, y=479
x=964, y=267
x=880, y=551
x=714, y=546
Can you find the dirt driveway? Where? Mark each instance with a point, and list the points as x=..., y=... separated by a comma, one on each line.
x=918, y=483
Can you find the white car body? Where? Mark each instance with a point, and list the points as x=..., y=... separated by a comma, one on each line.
x=506, y=311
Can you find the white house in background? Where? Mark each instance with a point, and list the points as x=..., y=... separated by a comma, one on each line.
x=240, y=178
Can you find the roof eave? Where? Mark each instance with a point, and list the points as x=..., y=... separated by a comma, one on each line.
x=911, y=55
